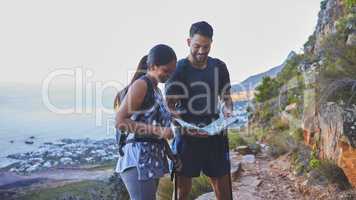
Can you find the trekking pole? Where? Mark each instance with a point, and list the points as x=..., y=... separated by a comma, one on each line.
x=174, y=180
x=230, y=186
x=230, y=182
x=175, y=187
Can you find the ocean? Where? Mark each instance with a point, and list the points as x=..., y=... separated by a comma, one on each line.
x=24, y=115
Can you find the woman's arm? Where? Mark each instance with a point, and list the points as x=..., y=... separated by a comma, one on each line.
x=132, y=103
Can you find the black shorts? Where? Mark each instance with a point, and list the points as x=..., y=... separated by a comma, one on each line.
x=208, y=155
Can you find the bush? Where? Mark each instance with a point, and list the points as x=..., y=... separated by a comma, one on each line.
x=350, y=3
x=279, y=144
x=279, y=124
x=268, y=89
x=235, y=140
x=200, y=185
x=298, y=135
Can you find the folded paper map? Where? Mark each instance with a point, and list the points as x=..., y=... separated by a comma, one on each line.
x=213, y=128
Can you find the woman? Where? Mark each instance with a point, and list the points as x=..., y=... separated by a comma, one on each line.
x=143, y=114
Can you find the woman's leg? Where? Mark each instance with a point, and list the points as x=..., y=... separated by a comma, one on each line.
x=139, y=190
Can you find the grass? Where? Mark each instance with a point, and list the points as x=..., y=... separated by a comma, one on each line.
x=86, y=190
x=80, y=190
x=200, y=185
x=235, y=139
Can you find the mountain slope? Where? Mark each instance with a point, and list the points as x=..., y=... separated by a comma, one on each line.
x=253, y=81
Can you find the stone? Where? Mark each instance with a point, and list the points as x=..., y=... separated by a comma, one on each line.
x=243, y=150
x=29, y=142
x=236, y=169
x=250, y=158
x=207, y=196
x=291, y=107
x=254, y=148
x=351, y=39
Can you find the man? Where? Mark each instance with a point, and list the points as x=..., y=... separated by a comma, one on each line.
x=193, y=94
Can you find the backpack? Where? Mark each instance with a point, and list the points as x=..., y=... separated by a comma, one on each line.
x=121, y=137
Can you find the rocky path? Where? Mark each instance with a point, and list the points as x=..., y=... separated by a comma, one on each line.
x=261, y=178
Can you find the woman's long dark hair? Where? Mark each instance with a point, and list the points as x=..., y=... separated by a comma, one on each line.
x=159, y=55
x=140, y=71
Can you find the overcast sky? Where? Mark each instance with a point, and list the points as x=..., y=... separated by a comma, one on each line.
x=109, y=37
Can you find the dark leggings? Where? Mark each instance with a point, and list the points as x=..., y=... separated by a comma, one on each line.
x=139, y=190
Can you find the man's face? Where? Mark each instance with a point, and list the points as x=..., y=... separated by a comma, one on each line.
x=199, y=47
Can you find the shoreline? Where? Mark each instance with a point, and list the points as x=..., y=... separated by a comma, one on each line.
x=65, y=154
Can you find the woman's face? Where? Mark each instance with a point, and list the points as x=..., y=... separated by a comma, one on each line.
x=163, y=72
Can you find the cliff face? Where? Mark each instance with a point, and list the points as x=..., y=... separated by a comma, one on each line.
x=329, y=126
x=331, y=11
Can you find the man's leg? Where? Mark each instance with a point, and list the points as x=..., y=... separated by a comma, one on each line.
x=217, y=166
x=221, y=186
x=184, y=186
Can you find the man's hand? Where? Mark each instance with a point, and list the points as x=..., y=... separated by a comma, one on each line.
x=196, y=133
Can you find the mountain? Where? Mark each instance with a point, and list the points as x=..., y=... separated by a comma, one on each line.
x=253, y=81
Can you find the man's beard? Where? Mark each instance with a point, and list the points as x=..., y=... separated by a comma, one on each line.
x=201, y=58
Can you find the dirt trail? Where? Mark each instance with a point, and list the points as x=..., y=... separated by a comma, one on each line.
x=264, y=179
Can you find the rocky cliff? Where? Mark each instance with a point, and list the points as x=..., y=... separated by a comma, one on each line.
x=330, y=123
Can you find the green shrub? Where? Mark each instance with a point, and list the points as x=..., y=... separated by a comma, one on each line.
x=350, y=3
x=200, y=185
x=268, y=89
x=314, y=163
x=298, y=134
x=279, y=143
x=235, y=140
x=279, y=124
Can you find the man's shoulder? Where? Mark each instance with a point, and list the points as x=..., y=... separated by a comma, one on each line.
x=217, y=61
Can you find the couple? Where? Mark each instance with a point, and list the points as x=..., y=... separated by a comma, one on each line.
x=193, y=86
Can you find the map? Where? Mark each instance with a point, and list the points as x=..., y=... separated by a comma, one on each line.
x=213, y=128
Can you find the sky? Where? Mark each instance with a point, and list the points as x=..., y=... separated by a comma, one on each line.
x=108, y=38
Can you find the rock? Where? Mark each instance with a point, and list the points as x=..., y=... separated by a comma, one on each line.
x=291, y=107
x=29, y=142
x=243, y=150
x=207, y=196
x=254, y=148
x=48, y=143
x=11, y=141
x=236, y=170
x=351, y=39
x=249, y=158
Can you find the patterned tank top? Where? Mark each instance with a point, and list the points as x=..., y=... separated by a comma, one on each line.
x=148, y=157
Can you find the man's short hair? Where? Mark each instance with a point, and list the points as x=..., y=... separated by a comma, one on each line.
x=201, y=28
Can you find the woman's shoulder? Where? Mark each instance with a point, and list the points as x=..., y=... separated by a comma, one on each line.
x=138, y=87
